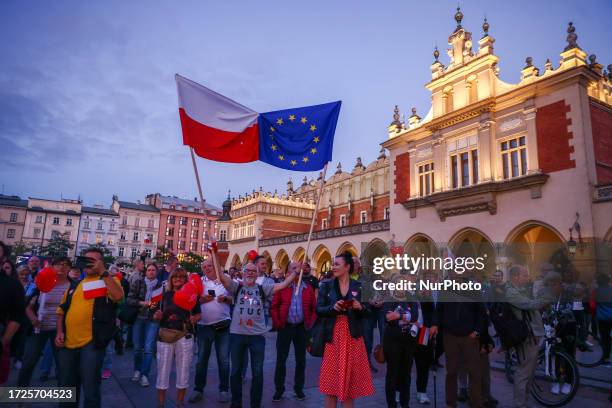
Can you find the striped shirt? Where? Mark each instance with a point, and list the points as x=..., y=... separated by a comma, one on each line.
x=47, y=306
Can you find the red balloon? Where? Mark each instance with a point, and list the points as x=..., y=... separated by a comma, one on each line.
x=119, y=276
x=188, y=296
x=252, y=254
x=46, y=279
x=195, y=279
x=181, y=299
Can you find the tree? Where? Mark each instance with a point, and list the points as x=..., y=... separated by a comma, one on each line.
x=59, y=245
x=162, y=255
x=191, y=262
x=20, y=248
x=109, y=259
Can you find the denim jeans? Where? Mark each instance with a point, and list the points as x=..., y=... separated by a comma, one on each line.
x=240, y=344
x=35, y=344
x=47, y=359
x=107, y=364
x=145, y=337
x=376, y=318
x=81, y=367
x=206, y=337
x=295, y=334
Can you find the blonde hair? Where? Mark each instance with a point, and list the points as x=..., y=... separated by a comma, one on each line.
x=179, y=270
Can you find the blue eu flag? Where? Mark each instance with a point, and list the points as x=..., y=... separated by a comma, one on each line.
x=299, y=139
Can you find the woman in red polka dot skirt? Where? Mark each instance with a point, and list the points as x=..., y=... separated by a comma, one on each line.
x=345, y=371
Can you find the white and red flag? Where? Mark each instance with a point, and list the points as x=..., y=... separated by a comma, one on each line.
x=423, y=339
x=157, y=294
x=94, y=289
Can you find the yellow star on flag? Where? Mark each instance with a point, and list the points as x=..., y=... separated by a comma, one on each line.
x=273, y=148
x=316, y=139
x=293, y=162
x=272, y=129
x=305, y=159
x=313, y=127
x=279, y=121
x=313, y=150
x=292, y=117
x=281, y=157
x=303, y=120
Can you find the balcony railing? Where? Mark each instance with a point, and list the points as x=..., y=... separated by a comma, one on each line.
x=355, y=229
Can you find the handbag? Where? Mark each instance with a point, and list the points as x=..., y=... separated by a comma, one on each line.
x=222, y=325
x=166, y=335
x=316, y=338
x=379, y=354
x=128, y=313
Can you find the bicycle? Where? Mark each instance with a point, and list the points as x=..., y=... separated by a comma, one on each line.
x=556, y=378
x=590, y=353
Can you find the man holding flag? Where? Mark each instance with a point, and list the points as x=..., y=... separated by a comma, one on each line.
x=85, y=326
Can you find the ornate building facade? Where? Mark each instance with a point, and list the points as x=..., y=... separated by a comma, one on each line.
x=98, y=226
x=353, y=214
x=138, y=229
x=520, y=172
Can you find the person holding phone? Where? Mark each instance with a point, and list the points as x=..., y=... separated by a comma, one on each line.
x=85, y=326
x=343, y=377
x=213, y=328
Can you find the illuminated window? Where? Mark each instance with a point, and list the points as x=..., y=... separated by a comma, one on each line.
x=514, y=157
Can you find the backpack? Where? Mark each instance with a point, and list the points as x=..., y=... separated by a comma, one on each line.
x=104, y=324
x=511, y=330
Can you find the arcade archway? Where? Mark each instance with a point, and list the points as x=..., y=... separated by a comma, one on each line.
x=347, y=247
x=322, y=260
x=282, y=260
x=534, y=243
x=472, y=243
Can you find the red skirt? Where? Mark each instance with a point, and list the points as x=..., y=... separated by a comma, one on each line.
x=345, y=371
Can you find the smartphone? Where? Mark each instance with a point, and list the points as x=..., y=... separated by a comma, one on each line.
x=83, y=262
x=348, y=303
x=211, y=292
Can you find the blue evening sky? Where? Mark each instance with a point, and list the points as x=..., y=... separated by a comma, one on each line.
x=88, y=102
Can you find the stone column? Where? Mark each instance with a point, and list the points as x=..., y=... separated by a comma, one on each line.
x=439, y=160
x=486, y=150
x=532, y=140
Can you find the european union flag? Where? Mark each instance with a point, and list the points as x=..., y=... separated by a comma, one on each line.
x=299, y=139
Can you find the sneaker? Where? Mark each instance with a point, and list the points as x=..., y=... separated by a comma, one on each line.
x=300, y=396
x=555, y=388
x=144, y=381
x=106, y=374
x=463, y=395
x=224, y=396
x=566, y=389
x=136, y=376
x=195, y=397
x=277, y=396
x=422, y=398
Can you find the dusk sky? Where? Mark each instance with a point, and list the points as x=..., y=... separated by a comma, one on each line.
x=88, y=103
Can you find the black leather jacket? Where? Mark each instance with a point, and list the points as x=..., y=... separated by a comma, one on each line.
x=329, y=294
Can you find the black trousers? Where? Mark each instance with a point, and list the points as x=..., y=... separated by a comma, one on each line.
x=295, y=334
x=604, y=335
x=35, y=344
x=423, y=358
x=399, y=348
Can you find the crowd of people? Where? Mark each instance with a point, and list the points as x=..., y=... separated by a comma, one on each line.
x=96, y=311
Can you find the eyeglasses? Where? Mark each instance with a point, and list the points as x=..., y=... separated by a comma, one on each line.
x=251, y=270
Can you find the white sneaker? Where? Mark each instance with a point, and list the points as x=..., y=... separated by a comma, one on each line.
x=422, y=398
x=144, y=381
x=566, y=389
x=136, y=376
x=555, y=388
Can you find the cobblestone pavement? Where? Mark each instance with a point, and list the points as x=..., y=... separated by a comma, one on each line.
x=119, y=391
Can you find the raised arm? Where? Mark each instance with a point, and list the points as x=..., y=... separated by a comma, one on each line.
x=285, y=283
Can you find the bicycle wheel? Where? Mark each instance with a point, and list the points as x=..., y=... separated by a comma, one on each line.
x=591, y=353
x=560, y=384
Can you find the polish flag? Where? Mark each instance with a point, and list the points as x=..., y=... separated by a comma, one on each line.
x=157, y=294
x=423, y=336
x=94, y=289
x=216, y=127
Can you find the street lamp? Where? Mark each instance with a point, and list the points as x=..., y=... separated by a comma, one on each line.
x=571, y=244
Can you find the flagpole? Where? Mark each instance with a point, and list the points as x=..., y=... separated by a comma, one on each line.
x=203, y=205
x=312, y=222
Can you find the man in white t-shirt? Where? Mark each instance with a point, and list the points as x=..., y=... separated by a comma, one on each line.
x=213, y=328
